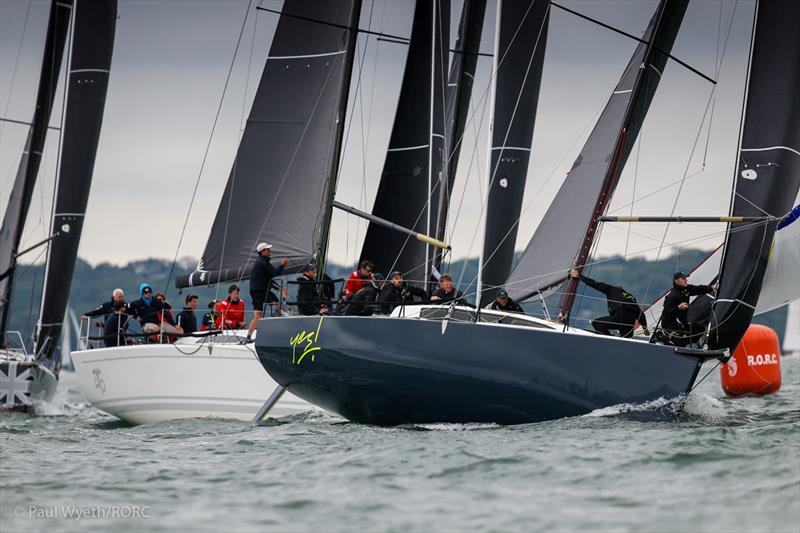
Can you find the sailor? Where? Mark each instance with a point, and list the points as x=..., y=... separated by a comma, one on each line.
x=398, y=292
x=106, y=308
x=230, y=311
x=186, y=318
x=446, y=292
x=357, y=279
x=160, y=296
x=308, y=297
x=260, y=282
x=699, y=314
x=623, y=310
x=503, y=302
x=364, y=302
x=210, y=318
x=116, y=326
x=674, y=317
x=148, y=311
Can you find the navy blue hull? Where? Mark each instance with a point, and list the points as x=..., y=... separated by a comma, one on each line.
x=389, y=371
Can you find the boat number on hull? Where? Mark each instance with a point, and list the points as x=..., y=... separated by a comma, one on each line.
x=307, y=341
x=99, y=383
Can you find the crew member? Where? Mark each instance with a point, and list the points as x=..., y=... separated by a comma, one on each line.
x=398, y=292
x=106, y=308
x=446, y=292
x=260, y=282
x=210, y=318
x=503, y=302
x=149, y=312
x=623, y=310
x=364, y=302
x=674, y=317
x=357, y=279
x=116, y=326
x=186, y=318
x=308, y=297
x=230, y=311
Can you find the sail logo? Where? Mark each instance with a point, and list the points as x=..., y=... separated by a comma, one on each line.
x=308, y=340
x=760, y=360
x=749, y=174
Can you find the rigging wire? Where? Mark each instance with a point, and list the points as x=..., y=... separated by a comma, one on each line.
x=208, y=146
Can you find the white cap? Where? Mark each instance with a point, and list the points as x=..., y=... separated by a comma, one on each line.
x=263, y=246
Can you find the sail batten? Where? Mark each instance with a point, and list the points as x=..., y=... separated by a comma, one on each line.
x=278, y=188
x=768, y=171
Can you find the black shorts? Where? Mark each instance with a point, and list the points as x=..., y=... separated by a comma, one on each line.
x=258, y=299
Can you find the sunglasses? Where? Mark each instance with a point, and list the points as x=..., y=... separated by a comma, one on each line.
x=147, y=291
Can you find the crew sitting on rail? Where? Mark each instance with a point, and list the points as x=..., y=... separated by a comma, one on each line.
x=106, y=308
x=503, y=302
x=446, y=292
x=210, y=318
x=623, y=310
x=365, y=301
x=148, y=311
x=357, y=279
x=116, y=326
x=674, y=318
x=186, y=318
x=309, y=301
x=230, y=311
x=397, y=292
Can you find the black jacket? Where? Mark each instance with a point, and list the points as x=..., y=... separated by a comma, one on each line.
x=150, y=313
x=308, y=299
x=445, y=297
x=622, y=305
x=391, y=296
x=511, y=306
x=699, y=314
x=363, y=303
x=262, y=274
x=114, y=330
x=187, y=320
x=673, y=318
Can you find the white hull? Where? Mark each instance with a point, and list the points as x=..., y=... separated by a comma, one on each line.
x=151, y=383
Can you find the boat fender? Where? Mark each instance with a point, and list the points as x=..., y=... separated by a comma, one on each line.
x=755, y=367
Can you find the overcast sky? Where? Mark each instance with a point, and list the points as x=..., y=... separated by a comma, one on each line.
x=169, y=68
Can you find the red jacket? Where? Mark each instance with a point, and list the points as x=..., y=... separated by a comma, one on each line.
x=354, y=284
x=232, y=313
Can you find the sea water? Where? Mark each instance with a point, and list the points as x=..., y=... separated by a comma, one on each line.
x=725, y=465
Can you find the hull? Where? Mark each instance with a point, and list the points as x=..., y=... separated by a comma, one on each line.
x=147, y=384
x=24, y=383
x=388, y=371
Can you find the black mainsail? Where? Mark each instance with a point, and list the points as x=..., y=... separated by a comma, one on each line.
x=22, y=189
x=566, y=232
x=768, y=173
x=413, y=169
x=285, y=167
x=90, y=64
x=521, y=47
x=459, y=94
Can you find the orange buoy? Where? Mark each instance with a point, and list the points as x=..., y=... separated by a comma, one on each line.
x=755, y=367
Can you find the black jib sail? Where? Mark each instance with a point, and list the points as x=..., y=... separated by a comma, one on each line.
x=22, y=189
x=521, y=46
x=278, y=187
x=566, y=231
x=768, y=174
x=90, y=64
x=459, y=94
x=410, y=182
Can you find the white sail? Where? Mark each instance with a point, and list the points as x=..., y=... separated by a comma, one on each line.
x=791, y=337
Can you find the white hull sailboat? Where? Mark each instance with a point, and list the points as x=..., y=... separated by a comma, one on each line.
x=197, y=377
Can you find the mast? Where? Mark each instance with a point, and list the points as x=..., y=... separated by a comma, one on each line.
x=459, y=94
x=523, y=38
x=22, y=189
x=90, y=64
x=489, y=139
x=768, y=172
x=324, y=235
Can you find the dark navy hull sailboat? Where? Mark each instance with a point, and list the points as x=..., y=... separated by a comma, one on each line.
x=388, y=371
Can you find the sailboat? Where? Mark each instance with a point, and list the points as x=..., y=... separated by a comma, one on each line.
x=426, y=364
x=27, y=378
